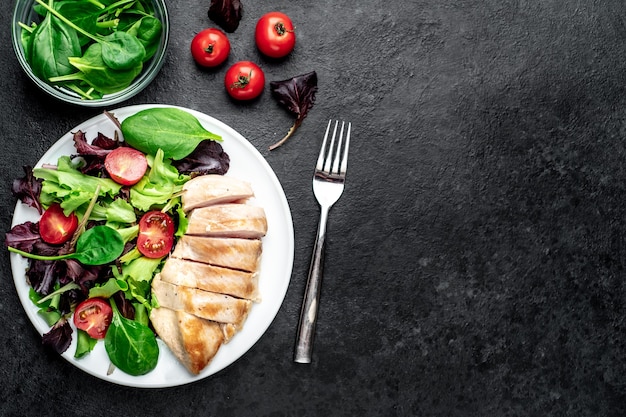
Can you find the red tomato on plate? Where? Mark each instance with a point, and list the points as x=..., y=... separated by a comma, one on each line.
x=55, y=227
x=244, y=80
x=274, y=35
x=156, y=234
x=210, y=47
x=93, y=316
x=126, y=165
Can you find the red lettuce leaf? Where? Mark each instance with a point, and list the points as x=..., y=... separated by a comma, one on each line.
x=208, y=158
x=226, y=13
x=23, y=236
x=94, y=153
x=297, y=95
x=59, y=337
x=27, y=189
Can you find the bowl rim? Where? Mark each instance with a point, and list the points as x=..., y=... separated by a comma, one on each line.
x=141, y=81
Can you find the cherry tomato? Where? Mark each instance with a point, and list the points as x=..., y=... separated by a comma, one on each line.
x=55, y=227
x=274, y=35
x=126, y=165
x=210, y=47
x=93, y=316
x=244, y=80
x=156, y=234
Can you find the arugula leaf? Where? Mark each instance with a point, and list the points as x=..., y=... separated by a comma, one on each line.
x=297, y=95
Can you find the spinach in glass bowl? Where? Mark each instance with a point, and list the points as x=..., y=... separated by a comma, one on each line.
x=91, y=52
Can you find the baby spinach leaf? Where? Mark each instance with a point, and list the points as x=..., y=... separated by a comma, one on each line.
x=175, y=131
x=148, y=30
x=93, y=70
x=99, y=245
x=131, y=346
x=297, y=95
x=122, y=51
x=50, y=46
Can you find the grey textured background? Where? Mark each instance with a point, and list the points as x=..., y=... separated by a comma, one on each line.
x=475, y=263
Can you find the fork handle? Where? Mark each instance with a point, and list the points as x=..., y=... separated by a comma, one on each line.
x=308, y=313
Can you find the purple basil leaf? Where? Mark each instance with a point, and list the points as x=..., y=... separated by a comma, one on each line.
x=297, y=95
x=208, y=158
x=27, y=189
x=59, y=337
x=226, y=13
x=23, y=236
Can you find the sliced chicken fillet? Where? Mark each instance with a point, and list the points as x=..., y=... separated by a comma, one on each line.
x=212, y=278
x=207, y=305
x=194, y=341
x=228, y=220
x=206, y=190
x=242, y=254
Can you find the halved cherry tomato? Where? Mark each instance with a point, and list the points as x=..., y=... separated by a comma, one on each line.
x=93, y=316
x=55, y=227
x=210, y=47
x=274, y=35
x=126, y=165
x=244, y=80
x=156, y=234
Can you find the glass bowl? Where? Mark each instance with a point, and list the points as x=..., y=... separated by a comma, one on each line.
x=25, y=14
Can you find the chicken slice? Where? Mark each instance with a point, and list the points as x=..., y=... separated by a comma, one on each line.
x=212, y=278
x=228, y=220
x=194, y=341
x=221, y=308
x=242, y=254
x=206, y=190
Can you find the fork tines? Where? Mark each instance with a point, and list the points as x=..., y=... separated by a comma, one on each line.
x=332, y=163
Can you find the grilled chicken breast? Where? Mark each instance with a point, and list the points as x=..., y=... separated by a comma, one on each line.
x=206, y=190
x=207, y=277
x=207, y=286
x=228, y=220
x=194, y=341
x=208, y=305
x=242, y=254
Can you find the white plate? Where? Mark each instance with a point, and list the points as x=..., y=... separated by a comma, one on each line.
x=246, y=163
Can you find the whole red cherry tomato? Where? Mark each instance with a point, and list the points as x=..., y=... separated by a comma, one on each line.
x=210, y=47
x=274, y=35
x=244, y=80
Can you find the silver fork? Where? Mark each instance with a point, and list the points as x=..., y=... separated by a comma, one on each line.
x=328, y=182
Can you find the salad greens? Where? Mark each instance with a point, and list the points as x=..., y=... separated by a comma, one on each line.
x=297, y=95
x=131, y=345
x=174, y=131
x=93, y=47
x=102, y=260
x=99, y=245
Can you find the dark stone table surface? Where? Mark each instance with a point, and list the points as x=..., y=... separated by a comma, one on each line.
x=475, y=264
